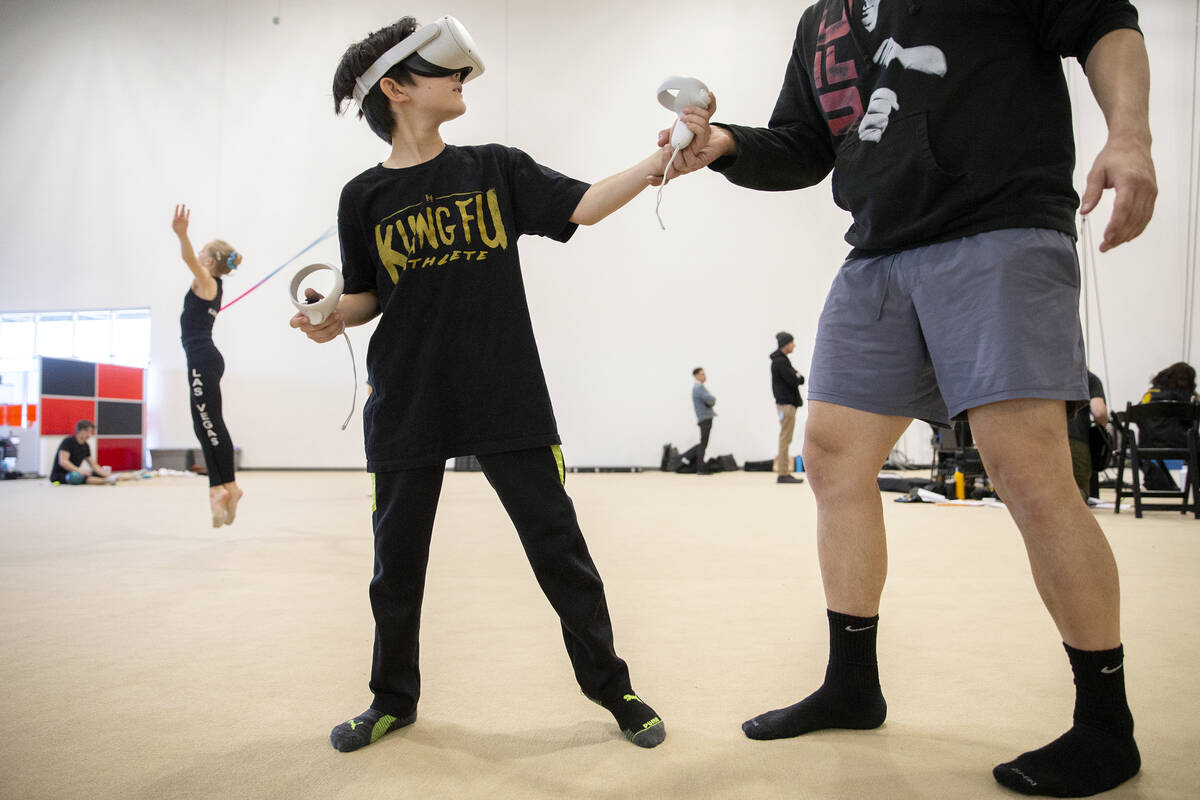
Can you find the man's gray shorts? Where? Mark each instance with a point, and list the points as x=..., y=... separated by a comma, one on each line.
x=931, y=332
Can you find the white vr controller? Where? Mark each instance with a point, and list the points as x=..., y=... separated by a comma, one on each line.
x=677, y=93
x=319, y=311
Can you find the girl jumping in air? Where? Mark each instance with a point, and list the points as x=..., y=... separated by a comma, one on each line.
x=205, y=366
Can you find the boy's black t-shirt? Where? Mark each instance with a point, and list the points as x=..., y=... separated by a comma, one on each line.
x=453, y=365
x=77, y=453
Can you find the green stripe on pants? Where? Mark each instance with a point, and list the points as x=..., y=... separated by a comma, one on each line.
x=558, y=459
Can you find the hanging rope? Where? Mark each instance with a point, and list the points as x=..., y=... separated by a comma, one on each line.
x=275, y=271
x=1193, y=201
x=1089, y=268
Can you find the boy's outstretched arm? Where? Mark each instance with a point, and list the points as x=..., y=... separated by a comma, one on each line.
x=606, y=196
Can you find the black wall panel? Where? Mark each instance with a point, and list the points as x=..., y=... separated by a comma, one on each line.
x=119, y=419
x=74, y=378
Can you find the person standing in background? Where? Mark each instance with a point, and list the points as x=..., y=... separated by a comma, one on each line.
x=785, y=384
x=702, y=403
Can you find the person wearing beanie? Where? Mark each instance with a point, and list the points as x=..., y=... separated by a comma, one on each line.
x=785, y=384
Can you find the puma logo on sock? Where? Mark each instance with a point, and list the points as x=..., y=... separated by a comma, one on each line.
x=1023, y=776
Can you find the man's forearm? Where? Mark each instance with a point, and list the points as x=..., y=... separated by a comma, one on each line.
x=1118, y=71
x=772, y=159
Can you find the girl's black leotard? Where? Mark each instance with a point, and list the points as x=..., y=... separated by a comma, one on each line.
x=205, y=366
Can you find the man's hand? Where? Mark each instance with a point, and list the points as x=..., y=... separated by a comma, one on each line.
x=328, y=330
x=1124, y=165
x=1118, y=71
x=708, y=143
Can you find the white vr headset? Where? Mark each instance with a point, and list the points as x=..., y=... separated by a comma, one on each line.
x=439, y=48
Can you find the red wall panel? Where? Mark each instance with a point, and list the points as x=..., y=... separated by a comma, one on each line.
x=59, y=415
x=123, y=383
x=68, y=385
x=120, y=454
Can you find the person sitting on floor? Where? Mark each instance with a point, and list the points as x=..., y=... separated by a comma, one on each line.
x=74, y=463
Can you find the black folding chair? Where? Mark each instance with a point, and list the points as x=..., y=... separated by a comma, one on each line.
x=1135, y=455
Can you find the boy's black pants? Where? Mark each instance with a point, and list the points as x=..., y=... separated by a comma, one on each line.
x=530, y=486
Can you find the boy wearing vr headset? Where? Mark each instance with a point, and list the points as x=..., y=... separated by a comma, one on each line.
x=428, y=242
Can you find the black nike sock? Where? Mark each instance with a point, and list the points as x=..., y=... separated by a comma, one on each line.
x=1098, y=752
x=638, y=721
x=366, y=729
x=850, y=696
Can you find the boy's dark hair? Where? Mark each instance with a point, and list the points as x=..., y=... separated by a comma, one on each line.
x=697, y=371
x=1179, y=375
x=84, y=425
x=357, y=60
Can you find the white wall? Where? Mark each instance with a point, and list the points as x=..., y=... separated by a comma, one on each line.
x=117, y=110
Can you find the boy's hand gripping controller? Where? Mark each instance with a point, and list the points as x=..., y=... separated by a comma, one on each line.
x=319, y=311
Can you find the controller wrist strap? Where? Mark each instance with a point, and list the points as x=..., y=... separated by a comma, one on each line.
x=354, y=366
x=661, y=186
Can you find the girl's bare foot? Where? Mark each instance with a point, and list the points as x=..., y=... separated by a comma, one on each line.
x=235, y=494
x=218, y=501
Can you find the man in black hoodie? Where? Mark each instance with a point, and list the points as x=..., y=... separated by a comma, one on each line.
x=785, y=384
x=947, y=127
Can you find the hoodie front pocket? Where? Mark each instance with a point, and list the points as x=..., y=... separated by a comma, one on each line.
x=889, y=179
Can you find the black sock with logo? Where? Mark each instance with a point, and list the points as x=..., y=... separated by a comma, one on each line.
x=638, y=721
x=366, y=728
x=850, y=696
x=1098, y=752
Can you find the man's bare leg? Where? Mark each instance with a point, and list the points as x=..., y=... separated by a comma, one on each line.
x=1025, y=451
x=843, y=451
